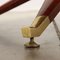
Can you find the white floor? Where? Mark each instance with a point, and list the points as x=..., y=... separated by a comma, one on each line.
x=12, y=41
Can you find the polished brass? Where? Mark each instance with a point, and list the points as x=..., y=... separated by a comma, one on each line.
x=34, y=31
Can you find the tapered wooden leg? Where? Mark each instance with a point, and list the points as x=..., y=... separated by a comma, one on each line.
x=45, y=16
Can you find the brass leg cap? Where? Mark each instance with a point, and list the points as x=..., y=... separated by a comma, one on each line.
x=31, y=45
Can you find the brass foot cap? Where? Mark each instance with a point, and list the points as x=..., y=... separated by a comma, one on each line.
x=31, y=45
